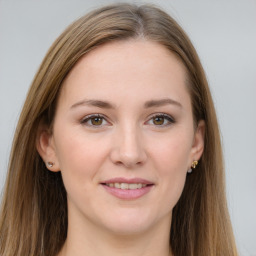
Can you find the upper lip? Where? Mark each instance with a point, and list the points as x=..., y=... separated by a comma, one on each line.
x=126, y=180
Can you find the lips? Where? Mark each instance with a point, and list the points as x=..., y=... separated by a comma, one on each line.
x=128, y=189
x=126, y=185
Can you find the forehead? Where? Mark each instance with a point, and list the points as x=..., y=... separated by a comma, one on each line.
x=125, y=69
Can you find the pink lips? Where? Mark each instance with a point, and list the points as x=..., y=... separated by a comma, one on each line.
x=128, y=194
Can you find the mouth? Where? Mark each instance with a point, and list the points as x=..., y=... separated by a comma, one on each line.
x=126, y=185
x=127, y=188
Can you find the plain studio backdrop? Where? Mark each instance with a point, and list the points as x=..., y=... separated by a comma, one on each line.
x=224, y=34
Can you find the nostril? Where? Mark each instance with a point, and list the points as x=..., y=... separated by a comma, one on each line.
x=128, y=153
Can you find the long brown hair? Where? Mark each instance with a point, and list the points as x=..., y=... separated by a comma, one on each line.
x=34, y=207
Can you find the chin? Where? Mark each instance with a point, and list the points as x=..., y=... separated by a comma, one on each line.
x=129, y=222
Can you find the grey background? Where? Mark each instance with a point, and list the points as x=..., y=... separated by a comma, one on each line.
x=224, y=34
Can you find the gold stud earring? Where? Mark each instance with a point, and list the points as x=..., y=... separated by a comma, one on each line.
x=194, y=164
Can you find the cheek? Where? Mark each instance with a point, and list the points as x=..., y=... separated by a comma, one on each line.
x=171, y=159
x=172, y=153
x=79, y=158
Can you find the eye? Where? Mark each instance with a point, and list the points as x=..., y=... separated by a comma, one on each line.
x=161, y=120
x=94, y=120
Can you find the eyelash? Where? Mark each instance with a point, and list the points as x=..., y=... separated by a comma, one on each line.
x=167, y=118
x=86, y=119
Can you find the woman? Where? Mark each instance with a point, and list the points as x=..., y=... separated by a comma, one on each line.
x=117, y=150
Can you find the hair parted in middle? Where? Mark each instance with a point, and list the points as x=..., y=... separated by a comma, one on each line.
x=34, y=209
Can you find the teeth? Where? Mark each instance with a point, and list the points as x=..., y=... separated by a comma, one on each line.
x=126, y=185
x=117, y=185
x=133, y=186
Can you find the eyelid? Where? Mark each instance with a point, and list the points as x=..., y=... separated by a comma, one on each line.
x=168, y=117
x=85, y=119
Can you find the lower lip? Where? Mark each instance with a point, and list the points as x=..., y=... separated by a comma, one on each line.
x=128, y=194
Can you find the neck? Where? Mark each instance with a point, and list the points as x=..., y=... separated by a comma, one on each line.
x=90, y=240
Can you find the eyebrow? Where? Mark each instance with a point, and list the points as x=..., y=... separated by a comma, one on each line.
x=108, y=105
x=94, y=103
x=161, y=102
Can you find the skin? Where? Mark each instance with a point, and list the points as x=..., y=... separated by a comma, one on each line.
x=128, y=142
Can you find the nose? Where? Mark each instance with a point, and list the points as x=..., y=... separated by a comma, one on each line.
x=128, y=149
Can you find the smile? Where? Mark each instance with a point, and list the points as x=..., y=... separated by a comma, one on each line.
x=126, y=185
x=128, y=189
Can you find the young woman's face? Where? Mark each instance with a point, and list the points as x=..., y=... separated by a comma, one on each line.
x=123, y=137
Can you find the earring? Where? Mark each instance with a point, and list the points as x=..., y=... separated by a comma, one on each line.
x=50, y=164
x=193, y=165
x=190, y=170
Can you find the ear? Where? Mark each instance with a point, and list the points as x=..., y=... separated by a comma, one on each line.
x=46, y=149
x=198, y=143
